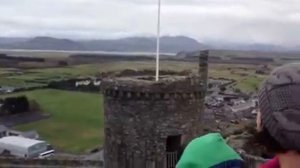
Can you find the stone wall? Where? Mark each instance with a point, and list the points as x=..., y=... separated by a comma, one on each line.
x=141, y=114
x=203, y=67
x=48, y=163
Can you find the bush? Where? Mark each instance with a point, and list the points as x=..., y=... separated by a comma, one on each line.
x=15, y=105
x=34, y=106
x=62, y=63
x=237, y=90
x=223, y=88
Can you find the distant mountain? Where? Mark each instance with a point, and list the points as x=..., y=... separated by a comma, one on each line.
x=168, y=44
x=11, y=40
x=143, y=44
x=250, y=47
x=45, y=43
x=134, y=44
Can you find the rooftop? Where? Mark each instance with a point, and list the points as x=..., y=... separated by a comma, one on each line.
x=19, y=141
x=2, y=127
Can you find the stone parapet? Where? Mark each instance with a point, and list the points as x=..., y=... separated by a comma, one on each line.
x=48, y=163
x=169, y=87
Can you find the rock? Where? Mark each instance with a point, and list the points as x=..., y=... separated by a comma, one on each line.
x=234, y=122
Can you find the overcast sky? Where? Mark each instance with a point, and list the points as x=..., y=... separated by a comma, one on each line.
x=250, y=21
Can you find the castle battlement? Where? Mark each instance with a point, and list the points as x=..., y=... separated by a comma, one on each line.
x=140, y=88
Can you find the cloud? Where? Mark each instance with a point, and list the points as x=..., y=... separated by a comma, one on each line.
x=244, y=21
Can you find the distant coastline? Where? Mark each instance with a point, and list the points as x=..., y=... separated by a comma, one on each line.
x=85, y=52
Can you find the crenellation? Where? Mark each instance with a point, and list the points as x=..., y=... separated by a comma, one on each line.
x=151, y=95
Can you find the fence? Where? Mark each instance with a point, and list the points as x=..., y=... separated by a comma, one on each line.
x=132, y=160
x=172, y=158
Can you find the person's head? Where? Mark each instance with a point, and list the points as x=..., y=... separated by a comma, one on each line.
x=278, y=120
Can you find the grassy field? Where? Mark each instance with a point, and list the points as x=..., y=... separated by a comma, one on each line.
x=34, y=77
x=247, y=80
x=249, y=84
x=76, y=122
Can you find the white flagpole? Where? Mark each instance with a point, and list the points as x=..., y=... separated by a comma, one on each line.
x=158, y=42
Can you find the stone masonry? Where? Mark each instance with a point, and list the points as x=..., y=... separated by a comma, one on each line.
x=141, y=115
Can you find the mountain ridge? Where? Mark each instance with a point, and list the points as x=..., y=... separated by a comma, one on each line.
x=169, y=44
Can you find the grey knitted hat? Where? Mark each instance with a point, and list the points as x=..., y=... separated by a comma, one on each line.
x=279, y=103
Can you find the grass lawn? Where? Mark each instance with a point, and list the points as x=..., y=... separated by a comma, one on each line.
x=34, y=77
x=250, y=84
x=48, y=74
x=76, y=122
x=247, y=83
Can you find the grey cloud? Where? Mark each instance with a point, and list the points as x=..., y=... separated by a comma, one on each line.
x=247, y=21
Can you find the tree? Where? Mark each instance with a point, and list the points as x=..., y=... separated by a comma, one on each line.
x=222, y=88
x=237, y=90
x=63, y=63
x=34, y=106
x=14, y=105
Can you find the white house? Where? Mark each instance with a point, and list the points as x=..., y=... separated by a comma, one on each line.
x=243, y=106
x=6, y=89
x=238, y=102
x=97, y=83
x=22, y=147
x=4, y=131
x=82, y=83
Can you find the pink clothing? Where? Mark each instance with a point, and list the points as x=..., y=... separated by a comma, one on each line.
x=274, y=163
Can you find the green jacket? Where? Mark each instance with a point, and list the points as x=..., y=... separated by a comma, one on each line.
x=209, y=151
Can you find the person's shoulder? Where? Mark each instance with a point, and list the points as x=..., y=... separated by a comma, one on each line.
x=274, y=163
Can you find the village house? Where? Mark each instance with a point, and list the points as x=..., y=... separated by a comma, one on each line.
x=6, y=89
x=4, y=131
x=242, y=106
x=263, y=70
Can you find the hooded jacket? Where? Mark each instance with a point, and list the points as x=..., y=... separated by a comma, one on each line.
x=209, y=151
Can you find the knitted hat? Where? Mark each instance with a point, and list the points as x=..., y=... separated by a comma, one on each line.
x=279, y=103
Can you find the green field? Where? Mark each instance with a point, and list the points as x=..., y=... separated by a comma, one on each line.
x=76, y=122
x=76, y=119
x=246, y=80
x=40, y=77
x=36, y=77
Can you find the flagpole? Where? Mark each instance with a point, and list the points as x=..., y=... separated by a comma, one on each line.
x=158, y=42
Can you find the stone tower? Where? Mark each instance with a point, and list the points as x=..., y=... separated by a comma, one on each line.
x=148, y=122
